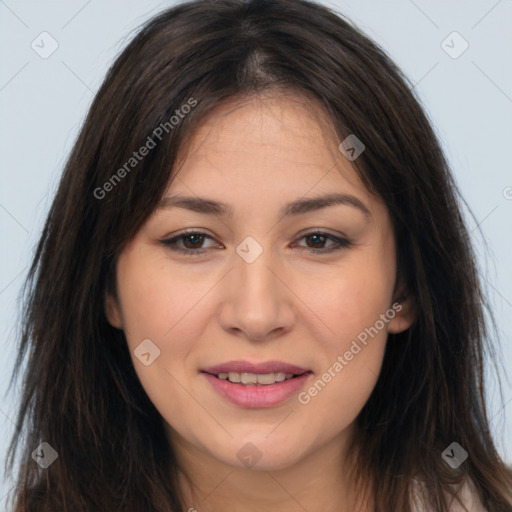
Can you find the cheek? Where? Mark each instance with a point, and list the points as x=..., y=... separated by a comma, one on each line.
x=163, y=305
x=352, y=349
x=332, y=402
x=172, y=309
x=351, y=299
x=351, y=359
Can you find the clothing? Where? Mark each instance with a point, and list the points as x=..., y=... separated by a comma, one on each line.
x=468, y=496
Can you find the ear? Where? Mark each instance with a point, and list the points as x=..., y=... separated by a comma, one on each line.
x=405, y=310
x=113, y=311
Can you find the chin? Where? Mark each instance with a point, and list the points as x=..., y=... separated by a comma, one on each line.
x=262, y=455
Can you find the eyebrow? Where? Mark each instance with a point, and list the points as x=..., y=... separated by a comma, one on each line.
x=298, y=207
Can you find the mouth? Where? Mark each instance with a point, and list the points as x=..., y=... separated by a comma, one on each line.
x=253, y=385
x=247, y=373
x=255, y=379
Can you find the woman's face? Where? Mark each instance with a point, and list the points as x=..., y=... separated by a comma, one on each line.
x=257, y=295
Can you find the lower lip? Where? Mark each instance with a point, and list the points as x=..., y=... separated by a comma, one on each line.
x=254, y=396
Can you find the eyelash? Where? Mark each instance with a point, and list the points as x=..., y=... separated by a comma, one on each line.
x=342, y=243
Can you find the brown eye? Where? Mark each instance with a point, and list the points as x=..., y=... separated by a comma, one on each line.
x=316, y=239
x=190, y=243
x=315, y=242
x=195, y=240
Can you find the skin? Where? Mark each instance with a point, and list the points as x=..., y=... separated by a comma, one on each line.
x=289, y=305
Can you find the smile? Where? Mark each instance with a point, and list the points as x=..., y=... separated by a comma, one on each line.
x=256, y=389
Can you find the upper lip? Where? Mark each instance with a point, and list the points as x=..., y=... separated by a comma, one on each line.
x=261, y=368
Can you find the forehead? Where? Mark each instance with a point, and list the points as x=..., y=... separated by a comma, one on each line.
x=266, y=145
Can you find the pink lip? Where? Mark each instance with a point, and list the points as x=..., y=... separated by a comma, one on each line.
x=257, y=396
x=248, y=367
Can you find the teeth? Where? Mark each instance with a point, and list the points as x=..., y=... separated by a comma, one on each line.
x=234, y=377
x=254, y=378
x=249, y=378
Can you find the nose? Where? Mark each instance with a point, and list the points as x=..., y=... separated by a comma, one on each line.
x=258, y=303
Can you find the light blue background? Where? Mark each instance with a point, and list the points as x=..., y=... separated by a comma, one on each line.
x=469, y=100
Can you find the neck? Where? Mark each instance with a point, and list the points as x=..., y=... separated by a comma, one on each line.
x=318, y=482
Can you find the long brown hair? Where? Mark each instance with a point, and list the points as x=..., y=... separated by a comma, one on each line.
x=81, y=394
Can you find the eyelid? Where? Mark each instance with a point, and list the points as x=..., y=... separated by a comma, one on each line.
x=191, y=231
x=341, y=241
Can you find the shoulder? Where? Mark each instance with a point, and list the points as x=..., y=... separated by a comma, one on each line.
x=468, y=496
